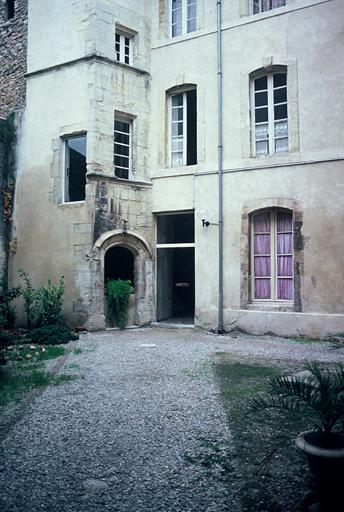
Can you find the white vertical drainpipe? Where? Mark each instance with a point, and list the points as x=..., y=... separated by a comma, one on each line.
x=220, y=326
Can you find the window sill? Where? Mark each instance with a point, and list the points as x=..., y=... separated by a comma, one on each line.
x=271, y=305
x=69, y=204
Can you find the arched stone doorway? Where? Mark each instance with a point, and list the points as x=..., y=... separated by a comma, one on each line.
x=116, y=243
x=119, y=263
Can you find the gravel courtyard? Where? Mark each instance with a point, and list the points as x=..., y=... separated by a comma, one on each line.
x=118, y=436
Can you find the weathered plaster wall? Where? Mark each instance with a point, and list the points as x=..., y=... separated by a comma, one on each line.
x=13, y=47
x=82, y=96
x=306, y=178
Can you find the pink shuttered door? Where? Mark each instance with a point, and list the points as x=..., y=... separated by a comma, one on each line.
x=273, y=256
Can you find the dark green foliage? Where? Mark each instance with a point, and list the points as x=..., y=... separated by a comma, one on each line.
x=49, y=302
x=51, y=335
x=319, y=396
x=7, y=315
x=30, y=297
x=118, y=292
x=7, y=338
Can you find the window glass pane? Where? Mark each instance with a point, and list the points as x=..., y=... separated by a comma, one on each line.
x=261, y=115
x=177, y=100
x=191, y=25
x=285, y=289
x=122, y=161
x=75, y=169
x=121, y=150
x=261, y=98
x=280, y=95
x=281, y=129
x=122, y=126
x=177, y=144
x=77, y=144
x=285, y=243
x=262, y=244
x=176, y=228
x=281, y=112
x=284, y=221
x=261, y=83
x=262, y=267
x=277, y=3
x=262, y=148
x=122, y=138
x=280, y=79
x=262, y=289
x=262, y=131
x=177, y=114
x=122, y=173
x=177, y=159
x=255, y=6
x=118, y=38
x=281, y=145
x=261, y=222
x=284, y=266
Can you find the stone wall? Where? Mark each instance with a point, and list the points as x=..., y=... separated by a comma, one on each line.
x=2, y=223
x=13, y=46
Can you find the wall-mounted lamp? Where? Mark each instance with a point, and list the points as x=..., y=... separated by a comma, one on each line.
x=125, y=227
x=205, y=223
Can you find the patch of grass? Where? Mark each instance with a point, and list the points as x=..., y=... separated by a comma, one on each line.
x=77, y=351
x=33, y=353
x=203, y=371
x=301, y=339
x=62, y=378
x=271, y=470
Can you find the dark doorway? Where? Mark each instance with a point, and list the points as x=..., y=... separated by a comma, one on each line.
x=119, y=264
x=176, y=285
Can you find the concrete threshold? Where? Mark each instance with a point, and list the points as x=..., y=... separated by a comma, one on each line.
x=171, y=325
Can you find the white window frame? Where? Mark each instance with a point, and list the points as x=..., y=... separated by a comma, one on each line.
x=184, y=123
x=120, y=55
x=184, y=8
x=129, y=121
x=260, y=6
x=271, y=137
x=273, y=259
x=183, y=92
x=65, y=164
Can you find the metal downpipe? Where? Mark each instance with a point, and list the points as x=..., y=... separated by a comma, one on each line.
x=220, y=326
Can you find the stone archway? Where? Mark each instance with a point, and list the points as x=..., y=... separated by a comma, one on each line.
x=143, y=277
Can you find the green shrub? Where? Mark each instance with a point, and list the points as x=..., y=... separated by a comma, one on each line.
x=7, y=314
x=30, y=297
x=51, y=335
x=49, y=302
x=118, y=292
x=7, y=338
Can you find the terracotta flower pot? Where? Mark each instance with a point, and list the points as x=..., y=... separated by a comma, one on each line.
x=327, y=468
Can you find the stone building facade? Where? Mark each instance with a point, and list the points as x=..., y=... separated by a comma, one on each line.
x=118, y=167
x=13, y=46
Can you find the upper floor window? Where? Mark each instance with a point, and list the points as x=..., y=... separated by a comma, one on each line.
x=183, y=109
x=123, y=47
x=122, y=146
x=184, y=16
x=272, y=255
x=75, y=168
x=270, y=114
x=266, y=5
x=10, y=9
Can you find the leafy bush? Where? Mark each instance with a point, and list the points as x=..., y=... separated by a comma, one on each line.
x=7, y=338
x=319, y=396
x=30, y=297
x=7, y=314
x=54, y=334
x=118, y=292
x=49, y=302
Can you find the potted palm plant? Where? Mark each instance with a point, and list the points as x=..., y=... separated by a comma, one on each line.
x=318, y=392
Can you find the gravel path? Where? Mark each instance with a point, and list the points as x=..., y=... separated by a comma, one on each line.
x=118, y=437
